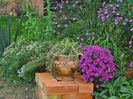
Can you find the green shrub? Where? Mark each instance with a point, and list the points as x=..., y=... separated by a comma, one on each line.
x=120, y=88
x=34, y=26
x=20, y=62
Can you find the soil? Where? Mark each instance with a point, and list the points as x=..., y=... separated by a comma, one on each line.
x=24, y=91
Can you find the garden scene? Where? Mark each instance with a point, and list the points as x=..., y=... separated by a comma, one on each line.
x=66, y=49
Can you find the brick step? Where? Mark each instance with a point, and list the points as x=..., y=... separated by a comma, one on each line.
x=49, y=88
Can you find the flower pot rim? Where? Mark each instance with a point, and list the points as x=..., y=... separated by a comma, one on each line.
x=63, y=55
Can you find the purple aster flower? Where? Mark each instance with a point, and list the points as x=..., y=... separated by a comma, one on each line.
x=97, y=86
x=96, y=64
x=125, y=21
x=130, y=64
x=93, y=33
x=93, y=38
x=130, y=20
x=119, y=1
x=131, y=51
x=131, y=29
x=80, y=45
x=113, y=12
x=66, y=25
x=117, y=19
x=74, y=19
x=65, y=18
x=85, y=78
x=130, y=42
x=130, y=46
x=110, y=5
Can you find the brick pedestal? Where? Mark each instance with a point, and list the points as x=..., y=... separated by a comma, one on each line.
x=49, y=88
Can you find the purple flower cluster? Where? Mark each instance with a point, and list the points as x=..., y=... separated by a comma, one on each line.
x=117, y=19
x=66, y=12
x=107, y=12
x=96, y=65
x=131, y=44
x=130, y=64
x=110, y=11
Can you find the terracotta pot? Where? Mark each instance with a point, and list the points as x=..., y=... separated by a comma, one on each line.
x=129, y=72
x=64, y=67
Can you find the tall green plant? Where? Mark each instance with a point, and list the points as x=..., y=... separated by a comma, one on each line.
x=6, y=33
x=5, y=36
x=36, y=27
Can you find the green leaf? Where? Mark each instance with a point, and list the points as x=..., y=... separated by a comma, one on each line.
x=114, y=97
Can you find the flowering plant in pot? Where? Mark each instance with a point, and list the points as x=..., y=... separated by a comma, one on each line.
x=63, y=59
x=96, y=65
x=129, y=70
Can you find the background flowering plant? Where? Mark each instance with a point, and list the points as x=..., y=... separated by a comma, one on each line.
x=130, y=65
x=96, y=65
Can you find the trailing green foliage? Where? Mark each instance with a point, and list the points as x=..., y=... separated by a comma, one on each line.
x=23, y=60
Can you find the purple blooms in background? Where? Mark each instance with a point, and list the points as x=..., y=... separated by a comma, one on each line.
x=117, y=19
x=96, y=65
x=86, y=37
x=106, y=12
x=125, y=21
x=131, y=44
x=119, y=1
x=131, y=29
x=110, y=11
x=130, y=64
x=65, y=25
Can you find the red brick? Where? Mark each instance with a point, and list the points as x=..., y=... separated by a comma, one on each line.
x=54, y=87
x=84, y=87
x=42, y=95
x=77, y=96
x=69, y=96
x=84, y=96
